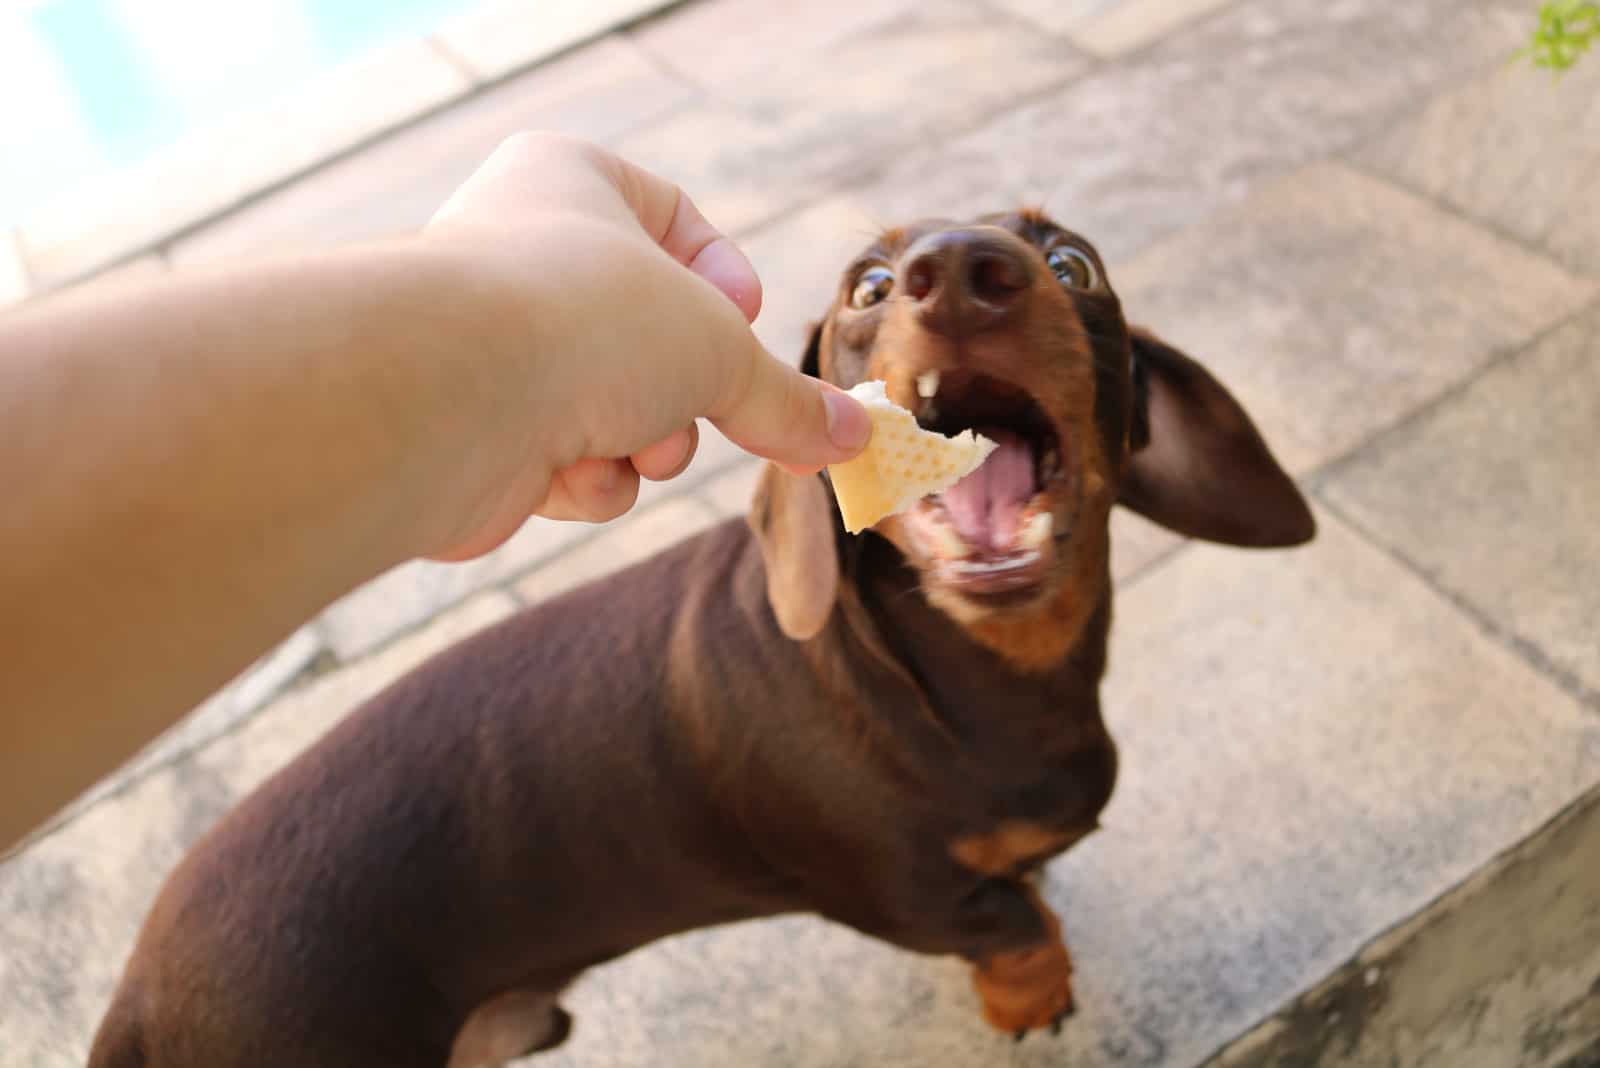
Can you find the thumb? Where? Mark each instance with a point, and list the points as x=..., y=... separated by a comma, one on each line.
x=791, y=418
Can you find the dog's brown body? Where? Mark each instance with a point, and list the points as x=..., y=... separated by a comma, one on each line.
x=770, y=717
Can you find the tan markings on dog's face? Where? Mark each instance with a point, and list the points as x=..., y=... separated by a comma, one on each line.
x=1008, y=326
x=1013, y=848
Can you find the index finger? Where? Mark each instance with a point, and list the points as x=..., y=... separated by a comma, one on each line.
x=673, y=221
x=530, y=170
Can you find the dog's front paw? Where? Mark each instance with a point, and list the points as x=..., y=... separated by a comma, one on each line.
x=1026, y=990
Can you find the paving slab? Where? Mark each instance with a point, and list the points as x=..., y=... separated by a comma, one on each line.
x=71, y=904
x=1058, y=16
x=618, y=545
x=495, y=37
x=395, y=185
x=406, y=596
x=1333, y=304
x=800, y=259
x=725, y=45
x=1144, y=147
x=130, y=209
x=824, y=117
x=1111, y=28
x=1276, y=809
x=139, y=269
x=1538, y=182
x=1133, y=24
x=1493, y=495
x=730, y=493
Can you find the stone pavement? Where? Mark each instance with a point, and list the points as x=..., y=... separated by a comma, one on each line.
x=1357, y=821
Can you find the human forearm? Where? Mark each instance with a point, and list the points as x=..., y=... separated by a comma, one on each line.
x=193, y=469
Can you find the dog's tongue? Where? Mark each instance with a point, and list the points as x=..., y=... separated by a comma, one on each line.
x=986, y=506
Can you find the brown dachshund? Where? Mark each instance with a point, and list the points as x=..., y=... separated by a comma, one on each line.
x=893, y=730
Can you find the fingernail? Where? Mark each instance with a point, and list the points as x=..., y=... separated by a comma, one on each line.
x=849, y=426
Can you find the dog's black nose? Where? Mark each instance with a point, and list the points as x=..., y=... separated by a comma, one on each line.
x=968, y=280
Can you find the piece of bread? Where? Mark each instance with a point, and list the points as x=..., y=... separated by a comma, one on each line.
x=902, y=464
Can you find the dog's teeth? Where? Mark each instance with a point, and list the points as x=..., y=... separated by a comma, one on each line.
x=948, y=542
x=927, y=384
x=1036, y=531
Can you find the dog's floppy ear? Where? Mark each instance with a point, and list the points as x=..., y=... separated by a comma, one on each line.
x=793, y=518
x=1198, y=465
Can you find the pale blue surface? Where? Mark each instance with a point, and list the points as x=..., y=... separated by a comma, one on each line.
x=88, y=86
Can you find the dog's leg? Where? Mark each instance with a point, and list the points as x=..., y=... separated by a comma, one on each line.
x=1029, y=986
x=509, y=1026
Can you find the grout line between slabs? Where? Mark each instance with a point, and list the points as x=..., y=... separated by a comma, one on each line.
x=1189, y=25
x=1320, y=476
x=1525, y=649
x=1317, y=479
x=455, y=60
x=854, y=181
x=1447, y=207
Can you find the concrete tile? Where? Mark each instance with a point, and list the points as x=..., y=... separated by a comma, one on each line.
x=1137, y=543
x=643, y=532
x=1333, y=304
x=395, y=185
x=734, y=168
x=1142, y=148
x=141, y=269
x=71, y=904
x=725, y=45
x=202, y=175
x=14, y=287
x=730, y=493
x=622, y=542
x=1133, y=24
x=1058, y=16
x=501, y=36
x=1110, y=28
x=407, y=595
x=1518, y=149
x=1492, y=495
x=799, y=259
x=1314, y=746
x=714, y=455
x=833, y=116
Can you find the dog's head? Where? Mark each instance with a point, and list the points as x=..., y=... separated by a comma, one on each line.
x=1009, y=326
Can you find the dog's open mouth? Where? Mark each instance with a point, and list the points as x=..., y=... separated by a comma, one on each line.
x=994, y=532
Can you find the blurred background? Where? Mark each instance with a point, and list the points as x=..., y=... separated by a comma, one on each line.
x=1357, y=822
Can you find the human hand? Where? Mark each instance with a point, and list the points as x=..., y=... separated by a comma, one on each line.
x=627, y=319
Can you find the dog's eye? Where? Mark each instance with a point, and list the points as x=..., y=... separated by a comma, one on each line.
x=873, y=285
x=1072, y=268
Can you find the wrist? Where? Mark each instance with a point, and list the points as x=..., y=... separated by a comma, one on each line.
x=483, y=446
